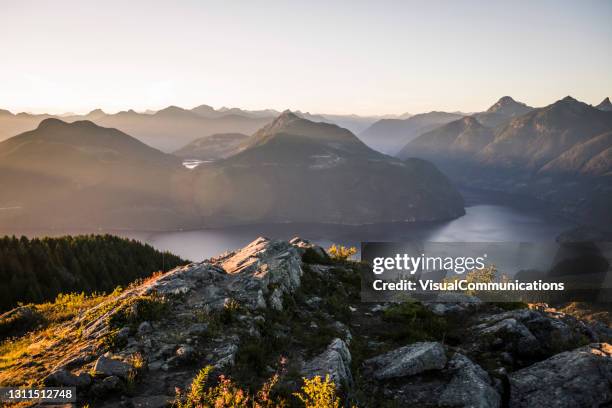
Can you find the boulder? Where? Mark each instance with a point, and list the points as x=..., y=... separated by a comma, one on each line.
x=335, y=361
x=64, y=378
x=198, y=329
x=144, y=328
x=107, y=366
x=470, y=386
x=109, y=385
x=577, y=378
x=408, y=360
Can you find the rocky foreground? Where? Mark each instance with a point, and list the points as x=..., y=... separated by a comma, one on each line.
x=287, y=309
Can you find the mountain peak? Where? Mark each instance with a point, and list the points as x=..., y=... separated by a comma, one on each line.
x=50, y=123
x=508, y=106
x=605, y=105
x=96, y=113
x=569, y=99
x=284, y=119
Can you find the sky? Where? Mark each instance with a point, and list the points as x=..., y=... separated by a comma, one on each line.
x=362, y=57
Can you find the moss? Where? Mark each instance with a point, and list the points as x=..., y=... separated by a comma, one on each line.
x=414, y=322
x=138, y=309
x=510, y=305
x=311, y=256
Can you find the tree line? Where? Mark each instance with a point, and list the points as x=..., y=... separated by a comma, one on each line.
x=37, y=270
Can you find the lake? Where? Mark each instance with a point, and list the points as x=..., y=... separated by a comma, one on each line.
x=489, y=218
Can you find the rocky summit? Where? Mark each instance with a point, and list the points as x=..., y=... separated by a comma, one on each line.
x=287, y=311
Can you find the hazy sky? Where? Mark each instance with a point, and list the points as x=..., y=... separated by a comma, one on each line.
x=365, y=57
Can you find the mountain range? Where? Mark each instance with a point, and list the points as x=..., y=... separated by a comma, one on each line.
x=564, y=136
x=297, y=170
x=172, y=128
x=389, y=135
x=82, y=175
x=561, y=153
x=85, y=176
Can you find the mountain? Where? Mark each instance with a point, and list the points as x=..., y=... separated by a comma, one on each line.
x=11, y=124
x=172, y=128
x=212, y=147
x=560, y=153
x=530, y=141
x=592, y=157
x=297, y=170
x=168, y=129
x=390, y=135
x=502, y=111
x=459, y=139
x=81, y=175
x=605, y=105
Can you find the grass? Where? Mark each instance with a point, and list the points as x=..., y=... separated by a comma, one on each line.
x=414, y=322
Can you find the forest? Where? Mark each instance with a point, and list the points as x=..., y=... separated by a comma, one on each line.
x=37, y=270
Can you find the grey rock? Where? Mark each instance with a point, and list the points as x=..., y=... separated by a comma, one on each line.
x=470, y=386
x=261, y=301
x=226, y=355
x=335, y=361
x=109, y=366
x=122, y=335
x=109, y=385
x=577, y=378
x=408, y=360
x=513, y=335
x=64, y=378
x=144, y=328
x=198, y=329
x=276, y=300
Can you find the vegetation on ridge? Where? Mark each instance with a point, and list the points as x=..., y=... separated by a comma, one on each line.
x=38, y=270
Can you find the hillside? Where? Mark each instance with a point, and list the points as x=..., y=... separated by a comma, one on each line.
x=87, y=177
x=37, y=270
x=390, y=135
x=532, y=140
x=560, y=153
x=301, y=171
x=214, y=147
x=266, y=316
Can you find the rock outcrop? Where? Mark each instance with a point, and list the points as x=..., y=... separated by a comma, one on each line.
x=577, y=378
x=408, y=360
x=286, y=310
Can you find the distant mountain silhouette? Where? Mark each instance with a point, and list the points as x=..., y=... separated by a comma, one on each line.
x=212, y=147
x=605, y=105
x=390, y=135
x=302, y=171
x=531, y=141
x=502, y=111
x=561, y=153
x=527, y=143
x=458, y=139
x=83, y=175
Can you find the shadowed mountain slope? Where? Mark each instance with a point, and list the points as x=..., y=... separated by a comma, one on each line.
x=301, y=171
x=81, y=175
x=390, y=135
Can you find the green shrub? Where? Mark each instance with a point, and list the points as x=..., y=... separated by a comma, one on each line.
x=414, y=322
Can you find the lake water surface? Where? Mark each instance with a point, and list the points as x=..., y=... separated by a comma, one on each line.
x=489, y=218
x=486, y=220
